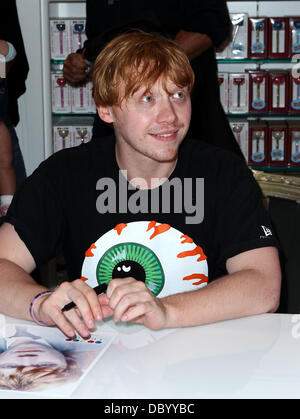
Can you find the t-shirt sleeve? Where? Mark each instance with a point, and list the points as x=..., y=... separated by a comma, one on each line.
x=210, y=17
x=242, y=221
x=37, y=213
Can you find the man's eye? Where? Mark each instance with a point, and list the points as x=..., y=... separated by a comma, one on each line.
x=147, y=99
x=179, y=95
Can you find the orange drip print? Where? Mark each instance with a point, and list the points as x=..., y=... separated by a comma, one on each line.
x=197, y=251
x=186, y=239
x=162, y=228
x=84, y=279
x=89, y=253
x=203, y=278
x=120, y=227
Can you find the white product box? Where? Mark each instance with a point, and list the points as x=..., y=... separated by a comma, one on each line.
x=223, y=55
x=61, y=94
x=81, y=99
x=239, y=44
x=78, y=34
x=240, y=130
x=71, y=132
x=92, y=106
x=60, y=39
x=223, y=80
x=62, y=137
x=82, y=133
x=238, y=92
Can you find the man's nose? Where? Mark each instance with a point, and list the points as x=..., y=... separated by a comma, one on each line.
x=166, y=112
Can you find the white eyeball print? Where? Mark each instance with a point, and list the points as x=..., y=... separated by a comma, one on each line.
x=165, y=259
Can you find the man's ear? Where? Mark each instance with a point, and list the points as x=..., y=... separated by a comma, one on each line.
x=105, y=113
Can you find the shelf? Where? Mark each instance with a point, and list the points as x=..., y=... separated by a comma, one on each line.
x=275, y=169
x=256, y=60
x=262, y=115
x=73, y=115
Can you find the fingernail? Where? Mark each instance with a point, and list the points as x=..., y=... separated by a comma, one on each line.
x=91, y=324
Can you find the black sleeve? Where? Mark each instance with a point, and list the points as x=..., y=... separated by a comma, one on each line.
x=210, y=17
x=37, y=213
x=242, y=222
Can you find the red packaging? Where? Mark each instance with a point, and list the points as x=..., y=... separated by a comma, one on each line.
x=258, y=144
x=278, y=37
x=279, y=91
x=294, y=36
x=294, y=94
x=258, y=91
x=278, y=138
x=293, y=154
x=258, y=37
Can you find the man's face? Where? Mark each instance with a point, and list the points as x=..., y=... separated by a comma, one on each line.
x=152, y=124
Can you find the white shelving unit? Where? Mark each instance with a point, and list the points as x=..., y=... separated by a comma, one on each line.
x=35, y=128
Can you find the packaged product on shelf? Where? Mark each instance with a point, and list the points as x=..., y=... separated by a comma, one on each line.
x=61, y=94
x=223, y=55
x=279, y=91
x=82, y=100
x=60, y=39
x=82, y=132
x=239, y=44
x=258, y=37
x=293, y=154
x=294, y=96
x=62, y=136
x=278, y=37
x=92, y=105
x=294, y=27
x=258, y=91
x=258, y=143
x=278, y=135
x=71, y=132
x=78, y=34
x=223, y=84
x=241, y=133
x=238, y=92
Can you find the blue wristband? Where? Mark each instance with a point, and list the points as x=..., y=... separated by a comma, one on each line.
x=11, y=55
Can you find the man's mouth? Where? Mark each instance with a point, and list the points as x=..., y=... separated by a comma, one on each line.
x=165, y=135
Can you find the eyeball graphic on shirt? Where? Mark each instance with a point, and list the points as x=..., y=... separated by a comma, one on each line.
x=165, y=259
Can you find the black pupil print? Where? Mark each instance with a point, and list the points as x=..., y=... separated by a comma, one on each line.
x=130, y=268
x=131, y=260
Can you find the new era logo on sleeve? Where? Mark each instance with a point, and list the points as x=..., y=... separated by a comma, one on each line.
x=266, y=231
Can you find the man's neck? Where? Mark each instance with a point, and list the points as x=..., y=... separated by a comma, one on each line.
x=144, y=173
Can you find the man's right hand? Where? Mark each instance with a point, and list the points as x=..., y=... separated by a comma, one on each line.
x=75, y=68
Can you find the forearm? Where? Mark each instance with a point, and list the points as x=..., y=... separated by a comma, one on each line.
x=193, y=43
x=232, y=296
x=17, y=289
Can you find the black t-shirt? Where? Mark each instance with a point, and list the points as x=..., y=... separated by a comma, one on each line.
x=59, y=208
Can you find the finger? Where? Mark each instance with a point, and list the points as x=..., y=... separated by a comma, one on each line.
x=92, y=299
x=75, y=320
x=104, y=304
x=60, y=321
x=129, y=300
x=73, y=292
x=136, y=313
x=122, y=287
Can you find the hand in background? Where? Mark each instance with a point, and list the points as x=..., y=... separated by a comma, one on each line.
x=75, y=68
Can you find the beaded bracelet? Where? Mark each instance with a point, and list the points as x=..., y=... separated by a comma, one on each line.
x=31, y=307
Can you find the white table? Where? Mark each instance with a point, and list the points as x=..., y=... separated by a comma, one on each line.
x=254, y=357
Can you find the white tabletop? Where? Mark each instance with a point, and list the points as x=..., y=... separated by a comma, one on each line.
x=254, y=357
